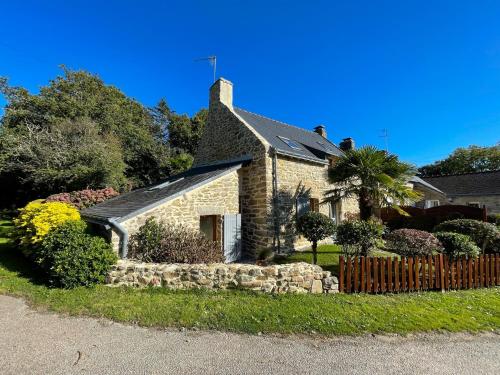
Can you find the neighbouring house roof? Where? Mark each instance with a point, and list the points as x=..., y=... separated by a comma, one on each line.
x=312, y=146
x=481, y=183
x=137, y=201
x=417, y=180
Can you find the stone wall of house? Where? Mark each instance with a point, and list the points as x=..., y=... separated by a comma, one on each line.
x=218, y=197
x=298, y=177
x=492, y=202
x=226, y=137
x=286, y=278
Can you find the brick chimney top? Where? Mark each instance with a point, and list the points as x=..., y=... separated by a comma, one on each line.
x=347, y=144
x=321, y=130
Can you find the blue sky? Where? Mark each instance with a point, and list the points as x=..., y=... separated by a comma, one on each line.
x=428, y=72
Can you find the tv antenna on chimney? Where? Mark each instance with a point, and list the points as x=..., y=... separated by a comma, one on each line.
x=212, y=60
x=385, y=135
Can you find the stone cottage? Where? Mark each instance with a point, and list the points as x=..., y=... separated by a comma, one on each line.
x=252, y=176
x=480, y=189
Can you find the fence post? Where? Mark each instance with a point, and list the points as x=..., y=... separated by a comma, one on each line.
x=410, y=273
x=382, y=274
x=396, y=274
x=403, y=274
x=389, y=274
x=469, y=270
x=363, y=273
x=368, y=275
x=341, y=274
x=356, y=274
x=497, y=267
x=348, y=280
x=441, y=261
x=430, y=284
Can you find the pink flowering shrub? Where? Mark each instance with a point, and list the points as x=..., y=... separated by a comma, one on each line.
x=84, y=198
x=412, y=242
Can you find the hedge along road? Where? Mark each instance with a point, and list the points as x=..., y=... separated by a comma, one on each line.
x=43, y=343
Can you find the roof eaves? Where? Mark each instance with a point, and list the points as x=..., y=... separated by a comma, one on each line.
x=176, y=195
x=418, y=180
x=301, y=157
x=480, y=194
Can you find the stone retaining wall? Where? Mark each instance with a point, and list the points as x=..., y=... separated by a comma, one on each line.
x=285, y=278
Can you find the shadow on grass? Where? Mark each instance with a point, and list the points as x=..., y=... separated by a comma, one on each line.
x=12, y=259
x=328, y=258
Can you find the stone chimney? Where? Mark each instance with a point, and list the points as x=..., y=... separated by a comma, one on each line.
x=347, y=144
x=321, y=130
x=222, y=92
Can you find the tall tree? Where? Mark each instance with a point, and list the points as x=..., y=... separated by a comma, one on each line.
x=184, y=133
x=375, y=177
x=79, y=95
x=465, y=160
x=71, y=155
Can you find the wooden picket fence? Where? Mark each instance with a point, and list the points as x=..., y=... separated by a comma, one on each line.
x=438, y=272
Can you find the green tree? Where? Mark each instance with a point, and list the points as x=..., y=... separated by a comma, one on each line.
x=36, y=162
x=465, y=160
x=184, y=133
x=315, y=227
x=375, y=177
x=77, y=95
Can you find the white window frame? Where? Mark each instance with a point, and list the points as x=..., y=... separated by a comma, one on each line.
x=290, y=143
x=474, y=204
x=429, y=203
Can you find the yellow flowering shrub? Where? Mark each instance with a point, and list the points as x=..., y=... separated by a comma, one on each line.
x=37, y=219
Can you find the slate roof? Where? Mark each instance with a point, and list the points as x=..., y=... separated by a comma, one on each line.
x=481, y=183
x=314, y=146
x=418, y=180
x=133, y=203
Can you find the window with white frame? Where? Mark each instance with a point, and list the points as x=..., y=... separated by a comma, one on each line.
x=474, y=204
x=431, y=203
x=334, y=212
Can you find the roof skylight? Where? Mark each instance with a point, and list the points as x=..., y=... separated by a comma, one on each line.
x=290, y=143
x=165, y=184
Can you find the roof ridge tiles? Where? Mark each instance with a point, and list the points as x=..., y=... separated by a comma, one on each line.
x=461, y=174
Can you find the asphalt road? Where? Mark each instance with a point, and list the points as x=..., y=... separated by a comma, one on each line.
x=43, y=343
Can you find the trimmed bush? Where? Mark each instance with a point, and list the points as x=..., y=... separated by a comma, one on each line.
x=71, y=257
x=412, y=242
x=361, y=235
x=315, y=227
x=37, y=219
x=456, y=244
x=493, y=219
x=159, y=243
x=480, y=232
x=84, y=198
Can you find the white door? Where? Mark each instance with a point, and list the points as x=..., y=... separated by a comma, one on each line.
x=232, y=237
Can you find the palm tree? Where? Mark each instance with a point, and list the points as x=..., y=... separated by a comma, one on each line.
x=375, y=177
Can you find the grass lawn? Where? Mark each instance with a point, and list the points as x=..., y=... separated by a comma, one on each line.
x=328, y=257
x=473, y=311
